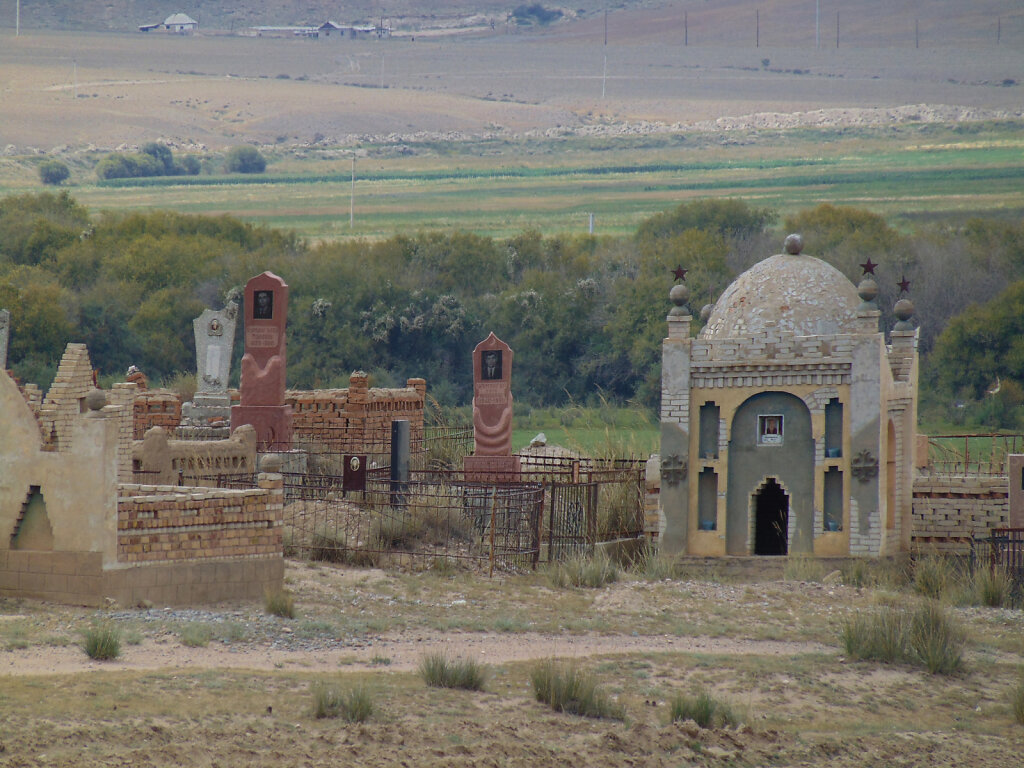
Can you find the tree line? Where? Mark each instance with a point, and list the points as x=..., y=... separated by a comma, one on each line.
x=585, y=315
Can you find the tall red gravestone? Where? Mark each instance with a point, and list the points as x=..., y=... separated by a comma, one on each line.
x=263, y=364
x=492, y=414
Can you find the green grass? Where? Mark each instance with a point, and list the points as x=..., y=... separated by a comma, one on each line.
x=915, y=170
x=593, y=572
x=703, y=709
x=279, y=603
x=196, y=635
x=102, y=642
x=565, y=688
x=354, y=705
x=439, y=671
x=1017, y=702
x=928, y=636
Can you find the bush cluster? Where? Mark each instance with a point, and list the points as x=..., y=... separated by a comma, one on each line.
x=927, y=636
x=439, y=671
x=703, y=709
x=354, y=705
x=152, y=160
x=565, y=688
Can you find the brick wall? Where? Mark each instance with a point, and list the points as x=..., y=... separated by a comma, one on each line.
x=166, y=523
x=949, y=511
x=358, y=417
x=155, y=408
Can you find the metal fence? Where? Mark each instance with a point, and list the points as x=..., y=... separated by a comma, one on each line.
x=415, y=523
x=558, y=508
x=1004, y=549
x=981, y=455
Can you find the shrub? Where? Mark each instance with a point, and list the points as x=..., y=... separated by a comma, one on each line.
x=1017, y=702
x=934, y=576
x=439, y=671
x=992, y=587
x=119, y=166
x=196, y=635
x=354, y=705
x=802, y=568
x=704, y=710
x=53, y=172
x=928, y=636
x=567, y=689
x=102, y=642
x=594, y=572
x=279, y=603
x=878, y=636
x=935, y=639
x=244, y=159
x=654, y=566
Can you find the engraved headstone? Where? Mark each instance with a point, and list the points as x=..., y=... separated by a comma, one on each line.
x=492, y=458
x=215, y=336
x=5, y=334
x=264, y=364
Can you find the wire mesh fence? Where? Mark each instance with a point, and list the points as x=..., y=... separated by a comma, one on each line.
x=414, y=523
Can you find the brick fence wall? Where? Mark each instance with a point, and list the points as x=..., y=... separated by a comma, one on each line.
x=357, y=418
x=950, y=510
x=158, y=523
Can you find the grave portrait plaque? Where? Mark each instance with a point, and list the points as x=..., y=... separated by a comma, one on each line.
x=264, y=364
x=492, y=459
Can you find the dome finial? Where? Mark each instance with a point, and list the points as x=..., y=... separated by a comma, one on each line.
x=793, y=244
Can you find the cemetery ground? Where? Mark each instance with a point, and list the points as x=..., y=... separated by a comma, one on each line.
x=231, y=685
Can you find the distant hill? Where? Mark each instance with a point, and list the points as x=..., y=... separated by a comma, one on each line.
x=700, y=22
x=226, y=15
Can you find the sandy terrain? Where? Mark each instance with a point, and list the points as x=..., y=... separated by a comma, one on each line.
x=109, y=90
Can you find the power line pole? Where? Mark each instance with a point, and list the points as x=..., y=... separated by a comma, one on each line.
x=817, y=24
x=352, y=197
x=17, y=19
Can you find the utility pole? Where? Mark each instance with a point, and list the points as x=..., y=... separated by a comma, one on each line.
x=74, y=64
x=17, y=19
x=686, y=30
x=757, y=28
x=817, y=25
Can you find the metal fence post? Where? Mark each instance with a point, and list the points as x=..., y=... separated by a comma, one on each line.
x=399, y=462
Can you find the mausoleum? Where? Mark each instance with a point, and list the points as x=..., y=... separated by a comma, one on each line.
x=788, y=422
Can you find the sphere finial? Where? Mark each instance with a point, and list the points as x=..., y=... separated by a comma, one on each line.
x=793, y=244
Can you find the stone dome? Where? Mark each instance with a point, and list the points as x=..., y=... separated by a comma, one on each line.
x=801, y=295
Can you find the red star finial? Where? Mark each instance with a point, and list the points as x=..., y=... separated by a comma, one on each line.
x=868, y=267
x=904, y=285
x=680, y=273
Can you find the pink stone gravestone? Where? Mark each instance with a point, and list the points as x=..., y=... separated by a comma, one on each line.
x=492, y=458
x=263, y=364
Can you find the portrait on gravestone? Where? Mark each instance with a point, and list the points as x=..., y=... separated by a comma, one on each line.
x=490, y=365
x=264, y=305
x=215, y=328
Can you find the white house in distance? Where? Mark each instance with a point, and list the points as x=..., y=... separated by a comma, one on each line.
x=178, y=23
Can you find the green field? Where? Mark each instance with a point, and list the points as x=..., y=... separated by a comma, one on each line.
x=502, y=188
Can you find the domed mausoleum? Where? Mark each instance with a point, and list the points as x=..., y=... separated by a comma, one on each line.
x=788, y=424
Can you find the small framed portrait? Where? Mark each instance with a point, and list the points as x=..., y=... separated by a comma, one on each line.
x=263, y=305
x=490, y=365
x=769, y=429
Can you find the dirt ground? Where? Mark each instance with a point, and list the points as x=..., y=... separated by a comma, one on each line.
x=243, y=697
x=81, y=91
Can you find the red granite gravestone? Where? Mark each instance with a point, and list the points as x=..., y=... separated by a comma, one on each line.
x=492, y=414
x=263, y=364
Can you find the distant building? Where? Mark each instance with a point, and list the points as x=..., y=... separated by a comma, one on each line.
x=178, y=23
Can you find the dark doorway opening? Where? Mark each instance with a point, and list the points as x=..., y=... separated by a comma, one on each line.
x=771, y=520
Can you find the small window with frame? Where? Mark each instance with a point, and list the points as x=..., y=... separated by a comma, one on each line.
x=769, y=429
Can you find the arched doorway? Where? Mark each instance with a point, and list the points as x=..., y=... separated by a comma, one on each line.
x=771, y=440
x=771, y=519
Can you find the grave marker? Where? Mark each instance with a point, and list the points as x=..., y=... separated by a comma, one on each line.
x=264, y=364
x=492, y=459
